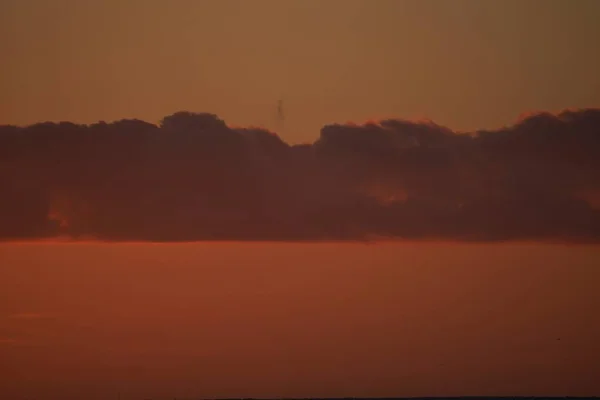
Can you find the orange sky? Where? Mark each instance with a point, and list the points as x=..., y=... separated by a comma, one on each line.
x=265, y=319
x=467, y=64
x=290, y=320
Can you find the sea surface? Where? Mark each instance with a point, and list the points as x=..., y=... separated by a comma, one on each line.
x=230, y=320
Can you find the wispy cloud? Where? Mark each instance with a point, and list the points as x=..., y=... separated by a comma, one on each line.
x=8, y=341
x=29, y=316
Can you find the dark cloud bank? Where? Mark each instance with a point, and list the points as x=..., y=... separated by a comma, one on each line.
x=194, y=178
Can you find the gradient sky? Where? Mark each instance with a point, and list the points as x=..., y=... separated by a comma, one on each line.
x=87, y=321
x=263, y=319
x=466, y=64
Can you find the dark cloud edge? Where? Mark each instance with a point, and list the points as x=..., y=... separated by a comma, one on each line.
x=566, y=144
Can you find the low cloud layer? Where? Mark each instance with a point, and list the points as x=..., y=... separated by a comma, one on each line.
x=194, y=178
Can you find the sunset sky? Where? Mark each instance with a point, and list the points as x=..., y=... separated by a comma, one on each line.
x=424, y=221
x=466, y=64
x=214, y=320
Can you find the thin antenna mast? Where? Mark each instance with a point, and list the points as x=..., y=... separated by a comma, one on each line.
x=280, y=116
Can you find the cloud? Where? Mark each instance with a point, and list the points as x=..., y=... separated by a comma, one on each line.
x=29, y=316
x=8, y=341
x=192, y=177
